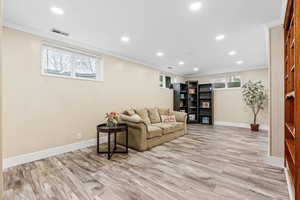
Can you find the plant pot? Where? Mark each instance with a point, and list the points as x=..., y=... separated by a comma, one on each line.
x=255, y=127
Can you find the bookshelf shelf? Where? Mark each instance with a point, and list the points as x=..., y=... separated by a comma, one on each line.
x=205, y=101
x=292, y=88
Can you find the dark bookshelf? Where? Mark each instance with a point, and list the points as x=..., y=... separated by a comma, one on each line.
x=180, y=97
x=192, y=95
x=205, y=104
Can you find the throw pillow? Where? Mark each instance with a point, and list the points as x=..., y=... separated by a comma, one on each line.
x=129, y=112
x=164, y=111
x=154, y=115
x=168, y=118
x=143, y=113
x=134, y=118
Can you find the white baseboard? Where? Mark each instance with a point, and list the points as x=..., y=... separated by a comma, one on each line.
x=30, y=157
x=241, y=125
x=275, y=161
x=290, y=185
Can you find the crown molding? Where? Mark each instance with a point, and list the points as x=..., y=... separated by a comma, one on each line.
x=224, y=72
x=70, y=42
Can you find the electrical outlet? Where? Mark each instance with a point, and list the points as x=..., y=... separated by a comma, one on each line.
x=78, y=136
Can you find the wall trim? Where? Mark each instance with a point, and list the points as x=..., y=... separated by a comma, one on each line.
x=30, y=157
x=224, y=72
x=275, y=161
x=290, y=185
x=240, y=125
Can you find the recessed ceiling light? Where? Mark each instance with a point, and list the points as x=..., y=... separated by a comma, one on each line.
x=220, y=37
x=239, y=62
x=181, y=63
x=125, y=39
x=160, y=54
x=196, y=69
x=232, y=53
x=57, y=10
x=195, y=6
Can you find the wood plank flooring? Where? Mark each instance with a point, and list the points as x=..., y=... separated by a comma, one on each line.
x=219, y=163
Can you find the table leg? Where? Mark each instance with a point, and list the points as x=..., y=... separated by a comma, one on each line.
x=126, y=140
x=115, y=147
x=109, y=155
x=98, y=141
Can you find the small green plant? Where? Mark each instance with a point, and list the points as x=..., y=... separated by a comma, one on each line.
x=255, y=96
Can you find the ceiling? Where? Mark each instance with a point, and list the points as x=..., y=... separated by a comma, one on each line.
x=159, y=25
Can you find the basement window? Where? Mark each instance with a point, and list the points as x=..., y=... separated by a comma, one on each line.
x=219, y=83
x=234, y=82
x=70, y=63
x=165, y=81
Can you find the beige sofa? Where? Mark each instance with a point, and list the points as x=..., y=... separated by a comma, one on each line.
x=146, y=130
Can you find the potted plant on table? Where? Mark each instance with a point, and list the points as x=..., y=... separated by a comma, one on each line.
x=112, y=119
x=254, y=95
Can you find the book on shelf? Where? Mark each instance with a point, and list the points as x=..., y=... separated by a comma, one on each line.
x=205, y=104
x=205, y=120
x=192, y=117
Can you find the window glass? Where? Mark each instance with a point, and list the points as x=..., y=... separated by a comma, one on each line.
x=234, y=82
x=60, y=62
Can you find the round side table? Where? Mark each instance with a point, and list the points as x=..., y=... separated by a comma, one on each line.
x=103, y=128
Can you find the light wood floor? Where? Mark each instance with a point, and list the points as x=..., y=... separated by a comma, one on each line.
x=209, y=163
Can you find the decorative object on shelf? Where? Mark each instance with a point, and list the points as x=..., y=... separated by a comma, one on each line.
x=192, y=91
x=112, y=119
x=254, y=95
x=205, y=104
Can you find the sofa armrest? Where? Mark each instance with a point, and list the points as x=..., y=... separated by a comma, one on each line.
x=137, y=134
x=180, y=116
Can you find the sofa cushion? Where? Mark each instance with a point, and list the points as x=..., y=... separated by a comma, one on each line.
x=129, y=112
x=178, y=125
x=153, y=131
x=166, y=127
x=164, y=111
x=143, y=113
x=154, y=115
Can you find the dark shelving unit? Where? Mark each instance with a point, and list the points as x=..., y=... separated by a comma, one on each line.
x=205, y=104
x=180, y=97
x=192, y=87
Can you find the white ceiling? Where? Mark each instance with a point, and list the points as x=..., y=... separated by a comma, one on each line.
x=160, y=25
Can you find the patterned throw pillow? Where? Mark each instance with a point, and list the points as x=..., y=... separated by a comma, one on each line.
x=168, y=118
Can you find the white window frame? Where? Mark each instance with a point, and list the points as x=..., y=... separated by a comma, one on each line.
x=227, y=80
x=99, y=68
x=164, y=80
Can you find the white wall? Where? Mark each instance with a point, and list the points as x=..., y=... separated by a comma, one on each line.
x=41, y=112
x=276, y=91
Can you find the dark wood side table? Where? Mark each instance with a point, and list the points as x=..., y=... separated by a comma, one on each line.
x=102, y=128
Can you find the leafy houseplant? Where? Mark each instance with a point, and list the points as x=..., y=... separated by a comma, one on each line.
x=254, y=95
x=112, y=119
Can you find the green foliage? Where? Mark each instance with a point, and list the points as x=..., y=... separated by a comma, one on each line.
x=255, y=96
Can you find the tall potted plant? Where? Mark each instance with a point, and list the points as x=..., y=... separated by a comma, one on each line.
x=254, y=95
